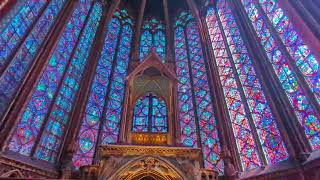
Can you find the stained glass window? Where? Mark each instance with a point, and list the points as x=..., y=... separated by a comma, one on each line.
x=303, y=58
x=14, y=30
x=58, y=120
x=153, y=35
x=150, y=115
x=12, y=76
x=46, y=92
x=243, y=92
x=308, y=117
x=101, y=120
x=195, y=102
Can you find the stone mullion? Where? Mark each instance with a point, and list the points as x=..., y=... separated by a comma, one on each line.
x=175, y=100
x=46, y=119
x=136, y=40
x=242, y=95
x=26, y=34
x=224, y=126
x=292, y=132
x=24, y=92
x=169, y=39
x=199, y=144
x=70, y=138
x=295, y=70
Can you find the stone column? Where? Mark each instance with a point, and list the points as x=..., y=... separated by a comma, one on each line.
x=169, y=30
x=136, y=39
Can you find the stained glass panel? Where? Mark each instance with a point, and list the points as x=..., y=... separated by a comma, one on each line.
x=38, y=106
x=189, y=53
x=145, y=44
x=159, y=121
x=150, y=115
x=268, y=133
x=140, y=121
x=307, y=116
x=12, y=76
x=113, y=114
x=186, y=110
x=304, y=58
x=241, y=129
x=15, y=30
x=52, y=137
x=89, y=130
x=153, y=36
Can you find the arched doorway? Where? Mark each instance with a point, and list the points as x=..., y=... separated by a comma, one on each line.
x=147, y=168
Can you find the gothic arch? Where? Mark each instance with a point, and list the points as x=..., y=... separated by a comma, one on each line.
x=143, y=166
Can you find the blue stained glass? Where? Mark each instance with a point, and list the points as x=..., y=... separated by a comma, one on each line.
x=67, y=94
x=145, y=44
x=150, y=115
x=191, y=68
x=111, y=127
x=153, y=35
x=140, y=121
x=160, y=44
x=302, y=55
x=13, y=75
x=186, y=113
x=305, y=113
x=13, y=31
x=35, y=111
x=98, y=110
x=94, y=109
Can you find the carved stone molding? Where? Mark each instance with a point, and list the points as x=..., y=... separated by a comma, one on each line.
x=134, y=150
x=10, y=167
x=159, y=162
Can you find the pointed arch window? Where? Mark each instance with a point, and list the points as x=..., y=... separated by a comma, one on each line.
x=253, y=123
x=23, y=52
x=45, y=118
x=196, y=111
x=271, y=24
x=150, y=114
x=153, y=35
x=101, y=119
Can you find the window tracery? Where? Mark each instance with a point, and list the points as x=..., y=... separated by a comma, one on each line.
x=101, y=120
x=54, y=95
x=150, y=115
x=247, y=105
x=300, y=102
x=13, y=72
x=194, y=99
x=153, y=35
